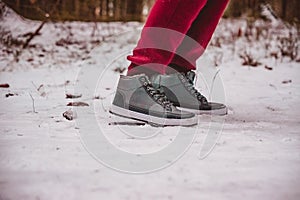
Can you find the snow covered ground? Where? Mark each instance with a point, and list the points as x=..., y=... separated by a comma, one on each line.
x=257, y=155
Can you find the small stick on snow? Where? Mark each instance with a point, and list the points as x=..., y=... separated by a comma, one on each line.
x=39, y=89
x=33, y=106
x=5, y=85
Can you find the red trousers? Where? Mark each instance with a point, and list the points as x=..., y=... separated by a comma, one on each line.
x=195, y=19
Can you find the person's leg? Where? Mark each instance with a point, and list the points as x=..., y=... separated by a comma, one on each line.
x=201, y=31
x=176, y=15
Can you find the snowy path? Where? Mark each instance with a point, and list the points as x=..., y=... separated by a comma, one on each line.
x=257, y=156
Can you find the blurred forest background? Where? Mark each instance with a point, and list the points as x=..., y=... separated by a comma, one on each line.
x=136, y=10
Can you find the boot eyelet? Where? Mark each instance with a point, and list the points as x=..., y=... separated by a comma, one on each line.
x=181, y=76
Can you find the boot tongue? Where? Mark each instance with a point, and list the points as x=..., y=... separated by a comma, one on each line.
x=191, y=76
x=144, y=78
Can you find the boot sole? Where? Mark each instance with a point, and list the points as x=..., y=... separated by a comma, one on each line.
x=152, y=119
x=223, y=111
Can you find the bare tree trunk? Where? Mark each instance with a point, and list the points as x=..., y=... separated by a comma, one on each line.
x=123, y=10
x=117, y=9
x=76, y=8
x=103, y=8
x=134, y=9
x=284, y=7
x=107, y=8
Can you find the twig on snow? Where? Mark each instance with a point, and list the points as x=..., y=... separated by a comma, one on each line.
x=33, y=106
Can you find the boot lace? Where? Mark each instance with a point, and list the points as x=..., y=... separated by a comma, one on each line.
x=158, y=96
x=189, y=85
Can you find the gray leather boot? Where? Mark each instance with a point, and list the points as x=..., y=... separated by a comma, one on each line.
x=180, y=90
x=136, y=98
